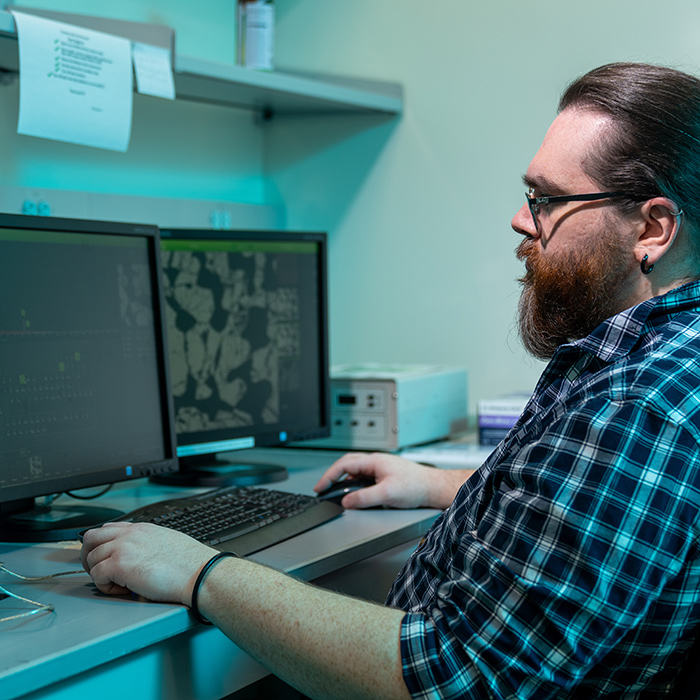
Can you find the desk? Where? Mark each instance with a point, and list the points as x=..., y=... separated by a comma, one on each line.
x=109, y=647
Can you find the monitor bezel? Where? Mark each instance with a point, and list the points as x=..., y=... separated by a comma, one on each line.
x=12, y=495
x=189, y=445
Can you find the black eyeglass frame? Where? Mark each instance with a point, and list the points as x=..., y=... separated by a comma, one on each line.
x=534, y=203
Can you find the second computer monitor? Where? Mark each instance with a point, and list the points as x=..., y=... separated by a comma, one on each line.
x=246, y=313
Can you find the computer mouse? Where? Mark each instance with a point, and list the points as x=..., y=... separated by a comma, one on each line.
x=337, y=490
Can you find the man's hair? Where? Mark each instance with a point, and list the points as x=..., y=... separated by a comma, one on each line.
x=654, y=147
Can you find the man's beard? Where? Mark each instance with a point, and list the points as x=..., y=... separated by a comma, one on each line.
x=566, y=298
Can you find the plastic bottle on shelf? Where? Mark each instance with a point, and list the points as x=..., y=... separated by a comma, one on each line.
x=256, y=34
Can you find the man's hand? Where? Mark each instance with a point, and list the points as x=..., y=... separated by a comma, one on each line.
x=323, y=643
x=155, y=562
x=400, y=483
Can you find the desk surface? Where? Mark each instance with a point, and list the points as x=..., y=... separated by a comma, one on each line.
x=88, y=630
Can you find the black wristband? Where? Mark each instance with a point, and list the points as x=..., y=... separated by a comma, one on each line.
x=198, y=583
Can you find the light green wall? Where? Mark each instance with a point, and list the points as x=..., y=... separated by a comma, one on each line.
x=418, y=209
x=177, y=149
x=204, y=29
x=421, y=248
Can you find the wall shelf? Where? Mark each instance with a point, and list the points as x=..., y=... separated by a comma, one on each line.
x=275, y=93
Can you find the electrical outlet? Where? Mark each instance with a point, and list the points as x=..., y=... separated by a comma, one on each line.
x=32, y=208
x=29, y=207
x=220, y=219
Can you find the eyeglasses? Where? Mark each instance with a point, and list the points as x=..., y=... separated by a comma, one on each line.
x=535, y=203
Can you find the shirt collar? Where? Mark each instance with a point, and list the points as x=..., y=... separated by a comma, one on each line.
x=615, y=337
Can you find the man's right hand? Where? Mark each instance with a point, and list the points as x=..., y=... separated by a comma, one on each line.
x=151, y=561
x=400, y=483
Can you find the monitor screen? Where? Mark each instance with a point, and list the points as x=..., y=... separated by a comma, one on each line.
x=84, y=385
x=247, y=330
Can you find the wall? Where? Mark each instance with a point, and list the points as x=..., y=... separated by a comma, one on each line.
x=205, y=29
x=177, y=149
x=418, y=209
x=421, y=248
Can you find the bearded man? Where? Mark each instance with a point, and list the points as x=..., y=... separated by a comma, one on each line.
x=568, y=565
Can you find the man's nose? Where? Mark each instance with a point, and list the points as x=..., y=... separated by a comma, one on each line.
x=523, y=222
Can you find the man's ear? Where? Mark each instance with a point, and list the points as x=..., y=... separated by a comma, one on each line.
x=661, y=221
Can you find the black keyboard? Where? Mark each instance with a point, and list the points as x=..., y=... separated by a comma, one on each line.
x=239, y=519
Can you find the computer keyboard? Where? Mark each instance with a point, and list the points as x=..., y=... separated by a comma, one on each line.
x=237, y=519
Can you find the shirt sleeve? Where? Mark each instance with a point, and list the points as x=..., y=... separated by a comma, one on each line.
x=573, y=572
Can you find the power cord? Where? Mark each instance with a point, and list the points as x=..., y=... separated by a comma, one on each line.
x=48, y=500
x=39, y=607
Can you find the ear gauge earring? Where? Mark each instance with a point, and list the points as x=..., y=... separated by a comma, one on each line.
x=643, y=265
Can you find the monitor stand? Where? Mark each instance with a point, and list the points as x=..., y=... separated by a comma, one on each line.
x=52, y=523
x=213, y=472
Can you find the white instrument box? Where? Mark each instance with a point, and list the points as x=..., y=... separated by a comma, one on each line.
x=388, y=407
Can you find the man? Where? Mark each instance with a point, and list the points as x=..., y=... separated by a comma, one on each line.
x=568, y=565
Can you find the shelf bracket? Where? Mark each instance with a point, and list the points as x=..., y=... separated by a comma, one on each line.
x=8, y=77
x=264, y=115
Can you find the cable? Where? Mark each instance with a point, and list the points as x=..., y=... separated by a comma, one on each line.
x=88, y=498
x=39, y=578
x=40, y=607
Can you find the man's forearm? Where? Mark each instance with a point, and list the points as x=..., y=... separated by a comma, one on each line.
x=325, y=644
x=444, y=486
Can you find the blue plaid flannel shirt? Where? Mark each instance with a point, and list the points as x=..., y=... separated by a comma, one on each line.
x=569, y=564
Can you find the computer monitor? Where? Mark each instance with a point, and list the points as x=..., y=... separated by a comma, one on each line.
x=84, y=384
x=246, y=314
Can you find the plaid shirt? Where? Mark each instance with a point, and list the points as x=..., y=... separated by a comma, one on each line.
x=569, y=564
